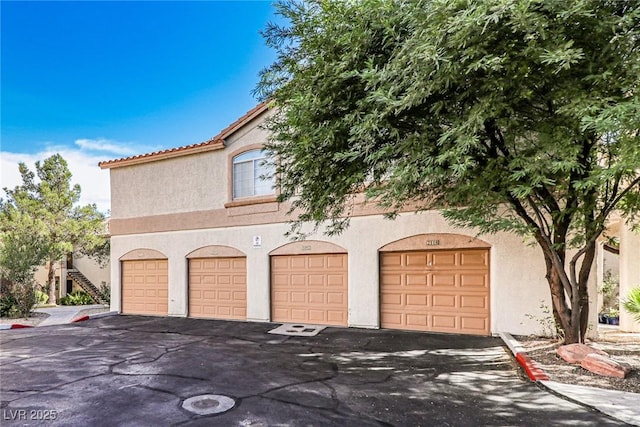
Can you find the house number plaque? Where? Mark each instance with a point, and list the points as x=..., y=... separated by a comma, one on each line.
x=433, y=242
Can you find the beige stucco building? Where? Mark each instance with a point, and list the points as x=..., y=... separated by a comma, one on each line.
x=196, y=233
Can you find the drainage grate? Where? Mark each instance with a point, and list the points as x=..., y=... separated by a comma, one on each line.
x=208, y=404
x=297, y=330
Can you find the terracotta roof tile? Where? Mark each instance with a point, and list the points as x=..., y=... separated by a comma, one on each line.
x=215, y=143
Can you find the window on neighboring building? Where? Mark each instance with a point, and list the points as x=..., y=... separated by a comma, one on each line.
x=252, y=176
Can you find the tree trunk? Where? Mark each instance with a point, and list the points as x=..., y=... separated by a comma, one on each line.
x=571, y=314
x=583, y=287
x=562, y=312
x=51, y=279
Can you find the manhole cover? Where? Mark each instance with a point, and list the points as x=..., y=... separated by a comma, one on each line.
x=208, y=404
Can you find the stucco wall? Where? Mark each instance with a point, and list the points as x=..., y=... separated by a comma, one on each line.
x=92, y=270
x=197, y=182
x=518, y=287
x=629, y=273
x=180, y=184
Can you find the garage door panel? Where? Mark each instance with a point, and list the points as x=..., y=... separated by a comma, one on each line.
x=298, y=297
x=475, y=323
x=300, y=314
x=416, y=260
x=217, y=288
x=474, y=280
x=474, y=302
x=337, y=262
x=448, y=294
x=280, y=263
x=420, y=300
x=299, y=280
x=473, y=259
x=391, y=260
x=444, y=321
x=280, y=296
x=224, y=296
x=416, y=280
x=337, y=317
x=389, y=298
x=297, y=263
x=316, y=262
x=144, y=287
x=391, y=279
x=317, y=316
x=335, y=298
x=316, y=280
x=416, y=320
x=444, y=301
x=336, y=281
x=315, y=287
x=316, y=297
x=442, y=279
x=392, y=319
x=444, y=259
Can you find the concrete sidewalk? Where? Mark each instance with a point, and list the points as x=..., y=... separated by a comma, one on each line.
x=620, y=405
x=67, y=313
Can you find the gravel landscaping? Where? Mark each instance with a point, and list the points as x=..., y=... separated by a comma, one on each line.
x=543, y=351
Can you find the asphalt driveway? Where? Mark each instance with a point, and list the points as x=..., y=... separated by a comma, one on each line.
x=138, y=371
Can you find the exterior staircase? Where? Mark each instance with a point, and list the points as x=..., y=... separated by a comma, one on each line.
x=86, y=285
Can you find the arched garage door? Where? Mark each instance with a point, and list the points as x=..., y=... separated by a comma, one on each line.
x=438, y=291
x=145, y=287
x=218, y=288
x=309, y=287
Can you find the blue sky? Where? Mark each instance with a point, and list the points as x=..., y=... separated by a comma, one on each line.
x=102, y=80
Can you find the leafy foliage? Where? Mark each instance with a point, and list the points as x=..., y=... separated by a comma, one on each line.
x=76, y=298
x=51, y=203
x=41, y=297
x=507, y=115
x=8, y=305
x=632, y=303
x=105, y=292
x=21, y=253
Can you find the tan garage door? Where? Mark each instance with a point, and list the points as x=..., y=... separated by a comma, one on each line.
x=439, y=291
x=145, y=287
x=218, y=288
x=309, y=289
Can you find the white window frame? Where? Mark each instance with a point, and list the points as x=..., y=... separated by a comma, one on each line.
x=254, y=164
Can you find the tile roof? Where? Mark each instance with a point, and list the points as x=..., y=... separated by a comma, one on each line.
x=215, y=143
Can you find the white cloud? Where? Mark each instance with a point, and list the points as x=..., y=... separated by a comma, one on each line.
x=107, y=146
x=93, y=181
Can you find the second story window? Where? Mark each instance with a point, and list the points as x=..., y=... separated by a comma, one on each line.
x=251, y=175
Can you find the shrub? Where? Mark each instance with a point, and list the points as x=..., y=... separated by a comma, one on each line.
x=76, y=298
x=105, y=292
x=8, y=305
x=41, y=297
x=632, y=303
x=610, y=292
x=25, y=295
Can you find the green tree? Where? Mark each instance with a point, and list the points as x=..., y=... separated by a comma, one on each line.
x=507, y=115
x=21, y=253
x=51, y=201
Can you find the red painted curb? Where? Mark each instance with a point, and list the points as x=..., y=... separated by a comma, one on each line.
x=15, y=326
x=531, y=368
x=80, y=319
